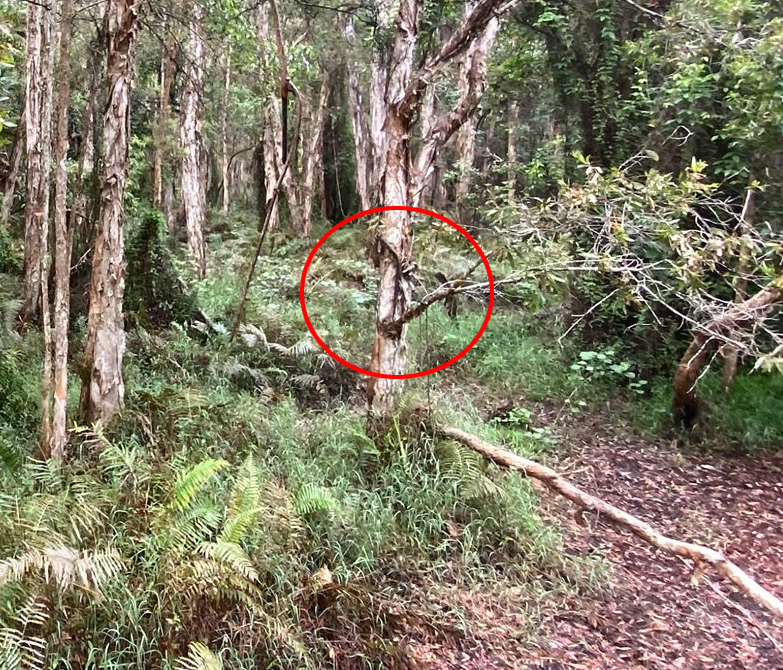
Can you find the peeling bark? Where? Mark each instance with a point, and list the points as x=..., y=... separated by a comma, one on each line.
x=700, y=556
x=511, y=147
x=403, y=182
x=194, y=195
x=314, y=154
x=38, y=96
x=14, y=165
x=362, y=149
x=102, y=384
x=58, y=348
x=167, y=67
x=224, y=157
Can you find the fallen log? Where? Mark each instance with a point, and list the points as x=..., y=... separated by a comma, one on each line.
x=699, y=555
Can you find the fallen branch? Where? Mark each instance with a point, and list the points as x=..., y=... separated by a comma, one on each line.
x=699, y=555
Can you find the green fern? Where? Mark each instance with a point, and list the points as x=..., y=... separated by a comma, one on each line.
x=312, y=499
x=190, y=482
x=232, y=555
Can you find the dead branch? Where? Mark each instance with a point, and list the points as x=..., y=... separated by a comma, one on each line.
x=700, y=556
x=705, y=342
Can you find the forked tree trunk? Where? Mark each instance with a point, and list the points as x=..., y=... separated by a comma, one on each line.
x=102, y=384
x=167, y=67
x=14, y=165
x=394, y=238
x=58, y=348
x=731, y=353
x=725, y=328
x=38, y=139
x=194, y=195
x=511, y=150
x=314, y=154
x=473, y=82
x=403, y=181
x=273, y=133
x=361, y=140
x=471, y=85
x=224, y=157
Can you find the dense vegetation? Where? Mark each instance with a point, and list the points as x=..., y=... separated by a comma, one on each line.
x=222, y=501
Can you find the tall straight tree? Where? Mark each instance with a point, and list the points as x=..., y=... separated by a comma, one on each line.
x=405, y=178
x=102, y=385
x=38, y=97
x=54, y=436
x=194, y=196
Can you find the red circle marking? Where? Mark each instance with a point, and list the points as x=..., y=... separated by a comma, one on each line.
x=411, y=375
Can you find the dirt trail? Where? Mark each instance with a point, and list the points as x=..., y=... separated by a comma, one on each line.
x=653, y=617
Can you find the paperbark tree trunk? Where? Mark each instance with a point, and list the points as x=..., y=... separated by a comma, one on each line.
x=167, y=67
x=102, y=385
x=194, y=195
x=83, y=210
x=731, y=353
x=38, y=96
x=511, y=150
x=56, y=434
x=473, y=82
x=314, y=154
x=379, y=75
x=224, y=157
x=361, y=140
x=403, y=181
x=394, y=238
x=14, y=164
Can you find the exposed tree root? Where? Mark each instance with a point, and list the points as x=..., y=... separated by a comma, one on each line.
x=699, y=555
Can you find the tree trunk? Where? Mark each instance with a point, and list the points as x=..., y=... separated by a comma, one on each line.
x=62, y=243
x=167, y=67
x=224, y=157
x=725, y=328
x=102, y=384
x=194, y=194
x=511, y=151
x=38, y=133
x=700, y=556
x=270, y=174
x=403, y=182
x=314, y=154
x=379, y=75
x=473, y=82
x=395, y=238
x=731, y=353
x=14, y=164
x=362, y=152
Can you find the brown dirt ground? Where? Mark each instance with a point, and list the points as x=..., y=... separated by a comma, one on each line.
x=652, y=616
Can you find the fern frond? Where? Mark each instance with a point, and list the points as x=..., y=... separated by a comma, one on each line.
x=232, y=555
x=311, y=499
x=200, y=657
x=306, y=381
x=190, y=482
x=303, y=347
x=62, y=566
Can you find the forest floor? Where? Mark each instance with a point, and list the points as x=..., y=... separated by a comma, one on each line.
x=651, y=615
